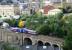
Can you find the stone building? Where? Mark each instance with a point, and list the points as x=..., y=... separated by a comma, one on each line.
x=9, y=10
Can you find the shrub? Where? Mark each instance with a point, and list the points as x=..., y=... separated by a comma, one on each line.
x=12, y=22
x=43, y=29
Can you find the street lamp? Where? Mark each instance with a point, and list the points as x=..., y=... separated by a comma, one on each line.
x=21, y=36
x=1, y=34
x=22, y=39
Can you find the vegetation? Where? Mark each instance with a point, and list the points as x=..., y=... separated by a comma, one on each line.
x=11, y=22
x=15, y=22
x=56, y=25
x=52, y=25
x=68, y=42
x=68, y=38
x=47, y=25
x=0, y=16
x=44, y=29
x=7, y=46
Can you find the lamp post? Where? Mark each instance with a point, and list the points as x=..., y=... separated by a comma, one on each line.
x=7, y=37
x=1, y=34
x=22, y=43
x=22, y=39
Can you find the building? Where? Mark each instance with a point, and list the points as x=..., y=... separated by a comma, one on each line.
x=48, y=8
x=24, y=8
x=56, y=3
x=69, y=1
x=16, y=9
x=8, y=10
x=27, y=6
x=60, y=3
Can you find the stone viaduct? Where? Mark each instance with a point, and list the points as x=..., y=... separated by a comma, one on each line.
x=22, y=38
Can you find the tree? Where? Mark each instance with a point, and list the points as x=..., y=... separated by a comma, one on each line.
x=68, y=39
x=34, y=21
x=43, y=29
x=56, y=24
x=11, y=22
x=46, y=25
x=68, y=42
x=0, y=16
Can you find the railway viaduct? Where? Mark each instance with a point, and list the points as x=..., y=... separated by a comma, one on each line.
x=28, y=39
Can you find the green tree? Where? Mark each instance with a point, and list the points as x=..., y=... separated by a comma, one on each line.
x=68, y=38
x=11, y=22
x=56, y=24
x=68, y=42
x=43, y=29
x=0, y=16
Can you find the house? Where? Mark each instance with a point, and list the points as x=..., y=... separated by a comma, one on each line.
x=48, y=8
x=9, y=10
x=59, y=3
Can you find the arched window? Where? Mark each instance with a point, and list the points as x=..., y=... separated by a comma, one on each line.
x=27, y=41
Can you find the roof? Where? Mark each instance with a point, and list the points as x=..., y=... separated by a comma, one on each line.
x=48, y=8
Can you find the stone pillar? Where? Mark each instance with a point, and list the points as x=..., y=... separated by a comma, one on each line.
x=52, y=46
x=34, y=40
x=60, y=47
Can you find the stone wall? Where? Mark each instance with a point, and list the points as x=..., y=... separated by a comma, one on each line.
x=18, y=38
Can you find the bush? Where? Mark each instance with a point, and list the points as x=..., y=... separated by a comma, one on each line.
x=43, y=29
x=34, y=21
x=68, y=42
x=12, y=22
